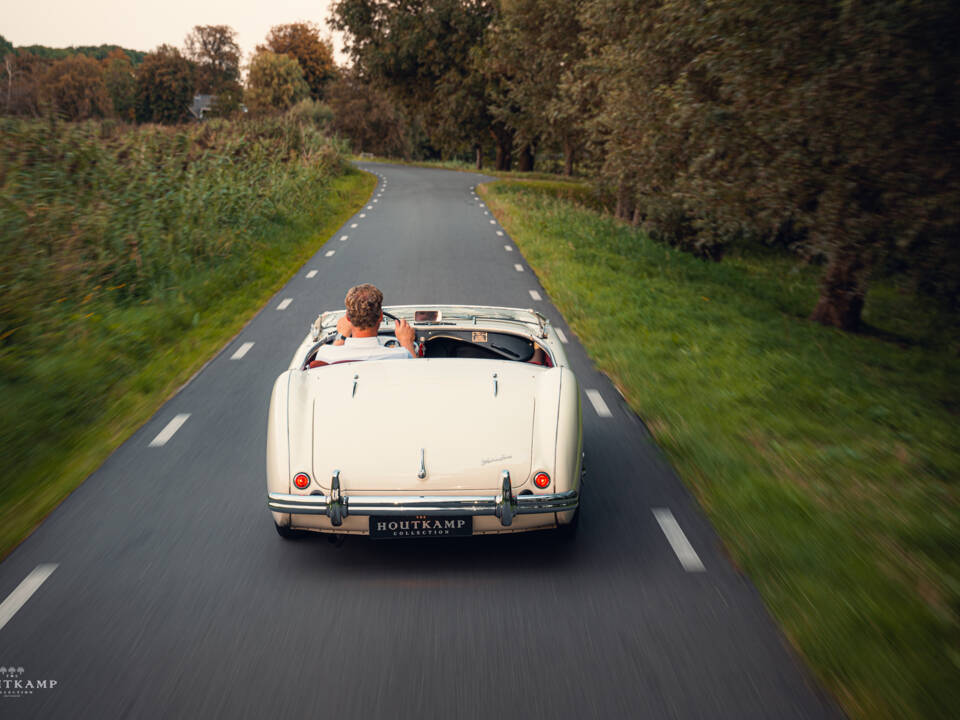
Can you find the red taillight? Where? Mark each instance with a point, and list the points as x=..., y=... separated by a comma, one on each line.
x=301, y=480
x=541, y=480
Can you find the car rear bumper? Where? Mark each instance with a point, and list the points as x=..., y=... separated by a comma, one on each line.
x=504, y=506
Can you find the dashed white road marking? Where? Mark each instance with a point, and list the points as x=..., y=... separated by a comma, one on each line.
x=482, y=205
x=535, y=295
x=343, y=238
x=563, y=338
x=241, y=351
x=312, y=274
x=596, y=399
x=329, y=253
x=369, y=207
x=518, y=267
x=500, y=233
x=354, y=226
x=284, y=304
x=376, y=200
x=22, y=592
x=164, y=436
x=486, y=212
x=678, y=541
x=508, y=248
x=363, y=215
x=493, y=222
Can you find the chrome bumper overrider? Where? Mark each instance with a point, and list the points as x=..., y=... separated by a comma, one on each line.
x=505, y=505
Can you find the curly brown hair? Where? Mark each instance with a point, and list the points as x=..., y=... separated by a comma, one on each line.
x=363, y=303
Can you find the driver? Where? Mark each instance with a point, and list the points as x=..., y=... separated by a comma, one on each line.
x=358, y=337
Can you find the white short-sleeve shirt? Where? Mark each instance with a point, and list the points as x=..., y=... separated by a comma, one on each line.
x=369, y=348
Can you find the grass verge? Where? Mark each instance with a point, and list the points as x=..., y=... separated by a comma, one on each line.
x=827, y=462
x=183, y=334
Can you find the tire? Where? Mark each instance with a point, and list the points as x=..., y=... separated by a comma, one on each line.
x=568, y=532
x=288, y=533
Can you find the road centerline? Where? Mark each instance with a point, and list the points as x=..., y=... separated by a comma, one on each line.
x=24, y=591
x=168, y=432
x=241, y=351
x=599, y=404
x=678, y=541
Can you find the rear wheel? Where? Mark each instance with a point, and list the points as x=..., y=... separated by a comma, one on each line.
x=288, y=533
x=569, y=531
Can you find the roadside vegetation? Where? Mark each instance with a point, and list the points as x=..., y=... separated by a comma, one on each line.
x=130, y=256
x=827, y=461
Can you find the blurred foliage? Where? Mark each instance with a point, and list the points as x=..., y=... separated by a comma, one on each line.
x=274, y=82
x=108, y=236
x=165, y=82
x=825, y=126
x=827, y=461
x=302, y=42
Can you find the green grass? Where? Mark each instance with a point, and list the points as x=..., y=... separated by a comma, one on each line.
x=828, y=462
x=79, y=374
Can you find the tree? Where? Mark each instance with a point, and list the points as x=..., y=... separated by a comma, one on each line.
x=214, y=50
x=367, y=117
x=74, y=89
x=274, y=82
x=302, y=42
x=420, y=52
x=837, y=117
x=526, y=52
x=121, y=84
x=23, y=75
x=165, y=86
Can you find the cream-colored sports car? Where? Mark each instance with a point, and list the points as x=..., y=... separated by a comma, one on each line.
x=481, y=434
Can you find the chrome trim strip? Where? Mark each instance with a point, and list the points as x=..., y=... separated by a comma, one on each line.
x=399, y=505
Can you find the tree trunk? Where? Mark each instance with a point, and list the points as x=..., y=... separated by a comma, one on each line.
x=479, y=151
x=842, y=292
x=625, y=201
x=568, y=152
x=504, y=141
x=526, y=159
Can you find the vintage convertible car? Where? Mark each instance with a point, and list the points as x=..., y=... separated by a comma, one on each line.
x=480, y=435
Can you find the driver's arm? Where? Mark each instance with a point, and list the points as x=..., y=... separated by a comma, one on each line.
x=405, y=335
x=345, y=328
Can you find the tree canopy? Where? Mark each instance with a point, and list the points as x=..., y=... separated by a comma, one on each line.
x=274, y=82
x=165, y=82
x=303, y=43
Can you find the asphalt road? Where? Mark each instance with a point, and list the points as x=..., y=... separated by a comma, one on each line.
x=172, y=595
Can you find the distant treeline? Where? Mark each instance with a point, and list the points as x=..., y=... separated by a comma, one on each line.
x=97, y=52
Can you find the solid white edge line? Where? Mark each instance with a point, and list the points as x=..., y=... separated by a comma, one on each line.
x=678, y=541
x=518, y=267
x=563, y=338
x=312, y=274
x=535, y=295
x=164, y=437
x=284, y=304
x=23, y=592
x=330, y=253
x=596, y=399
x=241, y=351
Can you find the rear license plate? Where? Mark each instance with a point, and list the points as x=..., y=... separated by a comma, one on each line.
x=384, y=527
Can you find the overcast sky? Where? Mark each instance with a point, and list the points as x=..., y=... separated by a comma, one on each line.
x=140, y=25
